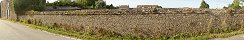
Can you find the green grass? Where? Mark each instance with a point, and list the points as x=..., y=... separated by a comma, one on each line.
x=210, y=36
x=89, y=36
x=59, y=31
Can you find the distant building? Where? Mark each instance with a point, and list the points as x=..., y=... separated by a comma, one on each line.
x=124, y=7
x=148, y=8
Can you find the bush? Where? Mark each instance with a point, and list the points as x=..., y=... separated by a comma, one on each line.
x=204, y=5
x=235, y=5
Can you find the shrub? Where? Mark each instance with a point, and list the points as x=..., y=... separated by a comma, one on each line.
x=29, y=21
x=204, y=5
x=235, y=5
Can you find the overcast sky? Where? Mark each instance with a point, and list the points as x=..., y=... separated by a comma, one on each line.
x=168, y=3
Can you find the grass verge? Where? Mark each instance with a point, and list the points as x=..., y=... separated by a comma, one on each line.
x=211, y=36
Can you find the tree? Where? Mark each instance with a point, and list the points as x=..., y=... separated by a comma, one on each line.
x=100, y=4
x=26, y=5
x=110, y=6
x=204, y=4
x=86, y=3
x=57, y=3
x=38, y=5
x=73, y=4
x=49, y=4
x=81, y=3
x=64, y=2
x=235, y=4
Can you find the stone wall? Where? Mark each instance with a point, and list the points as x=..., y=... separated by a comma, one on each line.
x=169, y=22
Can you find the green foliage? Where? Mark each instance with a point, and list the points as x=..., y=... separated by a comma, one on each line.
x=111, y=6
x=100, y=4
x=49, y=4
x=204, y=4
x=85, y=3
x=65, y=1
x=57, y=3
x=235, y=5
x=26, y=5
x=38, y=5
x=92, y=4
x=241, y=0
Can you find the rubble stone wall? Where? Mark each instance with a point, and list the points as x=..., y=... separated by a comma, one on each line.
x=170, y=22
